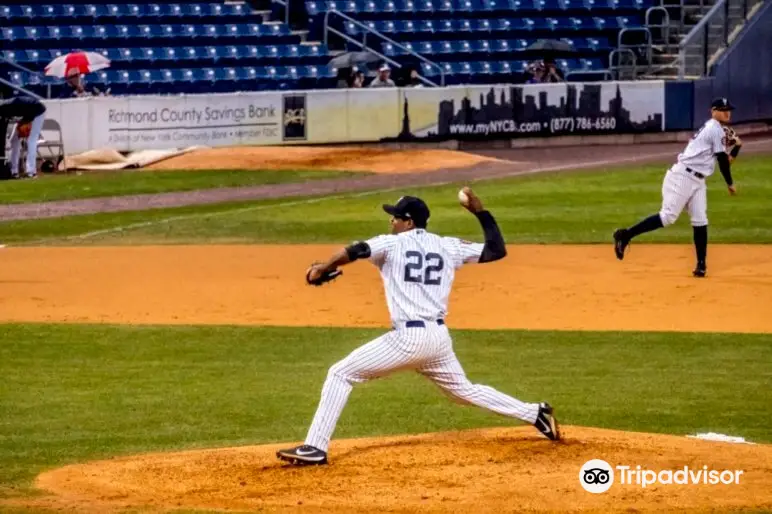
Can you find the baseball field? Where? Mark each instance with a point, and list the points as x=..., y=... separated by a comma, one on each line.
x=158, y=341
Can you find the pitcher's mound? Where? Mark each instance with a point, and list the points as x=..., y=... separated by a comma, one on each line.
x=493, y=470
x=374, y=160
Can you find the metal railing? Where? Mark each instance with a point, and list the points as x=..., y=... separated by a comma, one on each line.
x=618, y=65
x=22, y=90
x=712, y=35
x=639, y=49
x=26, y=70
x=285, y=4
x=363, y=45
x=593, y=74
x=663, y=26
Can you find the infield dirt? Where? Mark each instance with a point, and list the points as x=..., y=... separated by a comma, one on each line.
x=537, y=287
x=499, y=470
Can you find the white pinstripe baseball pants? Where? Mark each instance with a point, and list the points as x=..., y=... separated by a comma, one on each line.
x=428, y=351
x=681, y=190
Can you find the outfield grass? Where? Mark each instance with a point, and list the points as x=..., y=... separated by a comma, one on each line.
x=132, y=182
x=580, y=207
x=75, y=392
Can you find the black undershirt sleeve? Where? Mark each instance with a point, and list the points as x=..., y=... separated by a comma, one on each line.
x=725, y=167
x=735, y=151
x=360, y=250
x=494, y=248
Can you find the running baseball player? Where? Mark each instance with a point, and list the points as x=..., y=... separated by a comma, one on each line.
x=417, y=268
x=684, y=184
x=30, y=115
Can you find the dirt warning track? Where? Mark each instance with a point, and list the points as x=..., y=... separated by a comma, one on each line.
x=536, y=287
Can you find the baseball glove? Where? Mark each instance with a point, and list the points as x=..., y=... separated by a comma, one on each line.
x=732, y=139
x=23, y=130
x=327, y=276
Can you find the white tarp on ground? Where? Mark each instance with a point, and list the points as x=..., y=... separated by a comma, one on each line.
x=108, y=159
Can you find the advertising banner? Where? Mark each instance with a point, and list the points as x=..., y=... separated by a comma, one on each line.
x=360, y=115
x=488, y=112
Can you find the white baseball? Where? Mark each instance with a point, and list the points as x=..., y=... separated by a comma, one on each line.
x=462, y=197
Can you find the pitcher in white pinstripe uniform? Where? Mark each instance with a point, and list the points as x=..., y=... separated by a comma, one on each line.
x=418, y=269
x=684, y=185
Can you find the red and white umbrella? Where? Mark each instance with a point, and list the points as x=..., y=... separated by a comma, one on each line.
x=84, y=62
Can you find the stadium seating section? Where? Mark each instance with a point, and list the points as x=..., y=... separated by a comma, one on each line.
x=163, y=47
x=217, y=46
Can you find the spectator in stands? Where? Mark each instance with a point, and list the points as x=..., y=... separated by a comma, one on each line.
x=344, y=78
x=78, y=86
x=384, y=78
x=537, y=73
x=358, y=80
x=551, y=72
x=413, y=80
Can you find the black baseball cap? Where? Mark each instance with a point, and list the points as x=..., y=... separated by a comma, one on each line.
x=722, y=104
x=409, y=208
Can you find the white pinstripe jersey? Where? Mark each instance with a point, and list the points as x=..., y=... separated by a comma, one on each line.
x=418, y=268
x=699, y=154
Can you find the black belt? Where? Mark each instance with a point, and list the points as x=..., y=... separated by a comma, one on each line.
x=421, y=324
x=695, y=173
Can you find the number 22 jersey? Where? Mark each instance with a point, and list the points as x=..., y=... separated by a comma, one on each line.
x=418, y=268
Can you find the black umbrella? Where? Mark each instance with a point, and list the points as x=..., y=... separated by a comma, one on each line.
x=350, y=59
x=551, y=45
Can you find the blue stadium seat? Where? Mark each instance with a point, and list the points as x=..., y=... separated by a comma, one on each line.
x=39, y=57
x=27, y=12
x=429, y=71
x=501, y=46
x=403, y=27
x=12, y=56
x=482, y=46
x=213, y=53
x=445, y=26
x=315, y=8
x=33, y=33
x=196, y=10
x=425, y=27
x=441, y=47
x=591, y=64
x=579, y=6
x=527, y=6
x=119, y=54
x=44, y=12
x=482, y=68
x=6, y=13
x=404, y=6
x=519, y=66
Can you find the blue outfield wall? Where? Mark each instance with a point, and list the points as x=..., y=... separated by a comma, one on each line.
x=743, y=73
x=679, y=105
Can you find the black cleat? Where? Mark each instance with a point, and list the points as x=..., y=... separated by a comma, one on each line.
x=620, y=243
x=700, y=271
x=304, y=455
x=546, y=422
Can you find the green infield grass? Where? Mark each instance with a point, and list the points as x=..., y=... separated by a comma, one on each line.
x=578, y=207
x=71, y=393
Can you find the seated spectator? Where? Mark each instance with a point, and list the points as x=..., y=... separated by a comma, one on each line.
x=551, y=72
x=78, y=86
x=344, y=78
x=413, y=80
x=358, y=80
x=383, y=79
x=537, y=73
